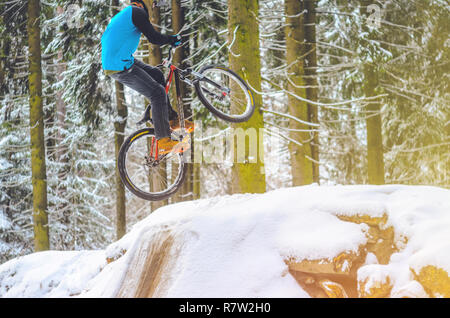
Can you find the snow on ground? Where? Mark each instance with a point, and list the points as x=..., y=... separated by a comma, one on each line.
x=50, y=273
x=235, y=246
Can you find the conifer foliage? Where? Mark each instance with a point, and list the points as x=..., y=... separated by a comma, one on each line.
x=346, y=92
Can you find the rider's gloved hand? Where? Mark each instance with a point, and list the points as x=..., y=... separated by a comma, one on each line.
x=175, y=40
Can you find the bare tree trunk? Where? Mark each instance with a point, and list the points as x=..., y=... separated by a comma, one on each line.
x=197, y=166
x=178, y=19
x=38, y=165
x=311, y=79
x=196, y=188
x=375, y=160
x=375, y=153
x=119, y=130
x=154, y=58
x=242, y=14
x=155, y=55
x=301, y=165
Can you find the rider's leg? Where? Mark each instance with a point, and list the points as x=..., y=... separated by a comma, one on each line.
x=158, y=76
x=139, y=80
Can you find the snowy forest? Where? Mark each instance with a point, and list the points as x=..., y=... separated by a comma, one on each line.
x=346, y=93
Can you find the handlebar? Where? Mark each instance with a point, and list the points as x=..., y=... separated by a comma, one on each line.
x=171, y=51
x=168, y=61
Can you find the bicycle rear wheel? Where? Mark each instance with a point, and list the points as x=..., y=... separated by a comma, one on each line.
x=145, y=176
x=225, y=94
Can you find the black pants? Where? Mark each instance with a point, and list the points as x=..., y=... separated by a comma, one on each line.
x=149, y=81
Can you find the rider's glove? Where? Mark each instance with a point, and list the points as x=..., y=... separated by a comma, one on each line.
x=175, y=40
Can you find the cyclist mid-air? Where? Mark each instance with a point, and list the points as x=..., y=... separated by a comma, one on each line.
x=152, y=161
x=119, y=42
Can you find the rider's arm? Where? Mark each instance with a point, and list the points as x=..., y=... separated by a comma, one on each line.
x=140, y=20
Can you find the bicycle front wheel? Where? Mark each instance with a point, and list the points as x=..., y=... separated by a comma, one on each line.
x=144, y=175
x=225, y=94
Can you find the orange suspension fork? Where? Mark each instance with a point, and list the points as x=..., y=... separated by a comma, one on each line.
x=154, y=145
x=168, y=83
x=169, y=80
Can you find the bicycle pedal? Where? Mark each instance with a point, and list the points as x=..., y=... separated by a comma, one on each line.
x=179, y=135
x=183, y=145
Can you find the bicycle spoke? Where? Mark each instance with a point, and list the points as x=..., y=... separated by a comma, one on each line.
x=235, y=102
x=145, y=172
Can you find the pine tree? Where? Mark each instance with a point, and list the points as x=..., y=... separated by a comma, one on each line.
x=375, y=159
x=178, y=22
x=415, y=133
x=244, y=59
x=300, y=146
x=119, y=130
x=38, y=157
x=155, y=58
x=16, y=234
x=80, y=176
x=311, y=82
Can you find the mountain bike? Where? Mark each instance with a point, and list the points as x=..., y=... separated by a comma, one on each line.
x=152, y=176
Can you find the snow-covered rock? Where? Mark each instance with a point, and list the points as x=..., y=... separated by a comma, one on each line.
x=312, y=241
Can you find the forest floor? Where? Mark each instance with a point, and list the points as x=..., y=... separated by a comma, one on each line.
x=311, y=241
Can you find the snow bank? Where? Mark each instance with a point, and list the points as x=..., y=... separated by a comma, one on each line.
x=50, y=273
x=236, y=246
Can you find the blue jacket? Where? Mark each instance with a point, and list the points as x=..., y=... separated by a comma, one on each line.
x=122, y=35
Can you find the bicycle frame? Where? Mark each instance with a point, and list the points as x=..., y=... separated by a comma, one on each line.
x=175, y=71
x=198, y=76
